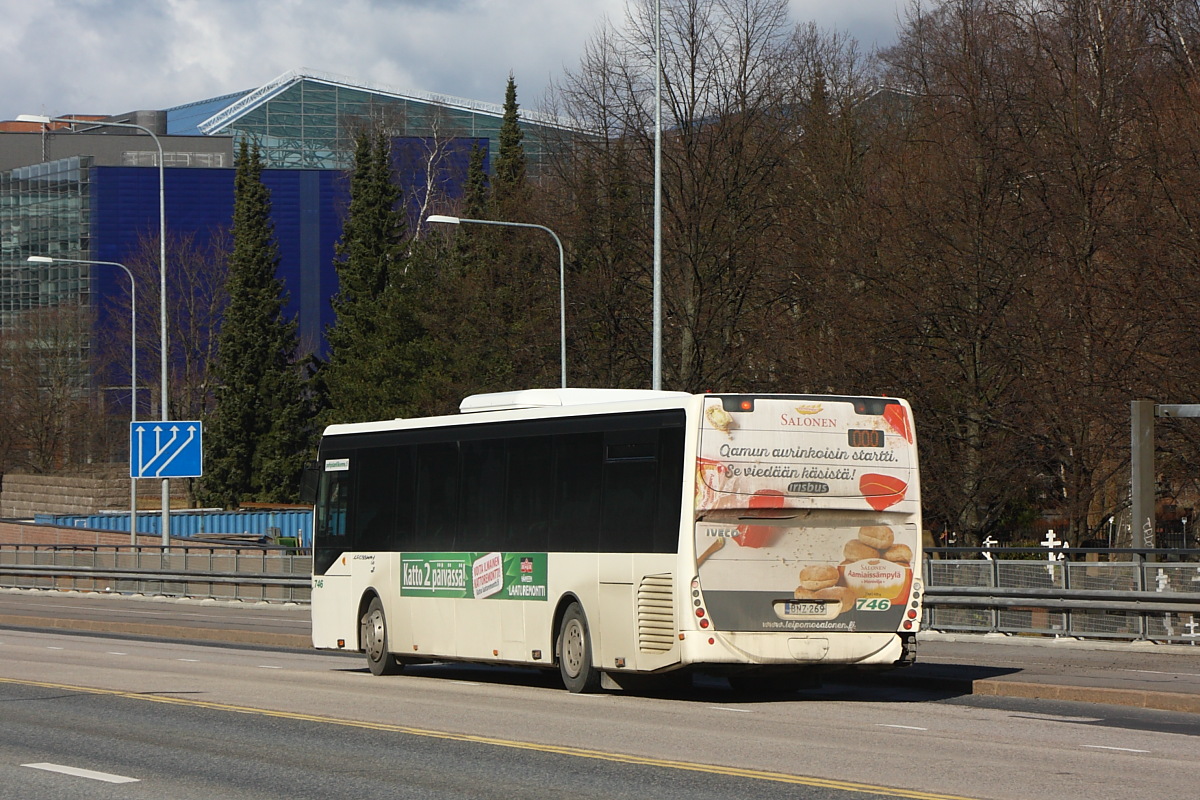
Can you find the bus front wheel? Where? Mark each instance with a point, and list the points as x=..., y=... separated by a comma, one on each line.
x=375, y=641
x=575, y=652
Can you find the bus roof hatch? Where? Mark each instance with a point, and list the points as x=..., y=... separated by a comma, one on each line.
x=552, y=398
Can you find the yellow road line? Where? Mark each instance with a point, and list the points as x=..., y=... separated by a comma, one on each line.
x=577, y=752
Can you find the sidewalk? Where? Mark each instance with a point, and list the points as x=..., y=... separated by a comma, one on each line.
x=1140, y=674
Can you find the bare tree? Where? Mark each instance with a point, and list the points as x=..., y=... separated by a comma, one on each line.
x=728, y=91
x=49, y=413
x=196, y=299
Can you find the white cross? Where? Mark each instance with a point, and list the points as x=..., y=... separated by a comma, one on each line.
x=1052, y=542
x=990, y=542
x=1163, y=580
x=1191, y=626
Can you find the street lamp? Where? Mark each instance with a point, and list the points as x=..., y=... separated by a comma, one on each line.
x=656, y=347
x=562, y=292
x=132, y=368
x=162, y=283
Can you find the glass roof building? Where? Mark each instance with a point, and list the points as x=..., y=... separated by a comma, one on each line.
x=83, y=191
x=307, y=120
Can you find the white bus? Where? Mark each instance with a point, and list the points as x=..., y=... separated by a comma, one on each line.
x=612, y=533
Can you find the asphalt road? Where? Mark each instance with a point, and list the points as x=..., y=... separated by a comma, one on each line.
x=210, y=721
x=59, y=743
x=1139, y=675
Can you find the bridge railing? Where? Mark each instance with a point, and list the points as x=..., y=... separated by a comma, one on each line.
x=1123, y=594
x=272, y=574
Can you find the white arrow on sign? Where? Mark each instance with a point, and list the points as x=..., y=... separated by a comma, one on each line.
x=180, y=449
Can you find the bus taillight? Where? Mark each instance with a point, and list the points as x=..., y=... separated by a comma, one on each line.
x=735, y=403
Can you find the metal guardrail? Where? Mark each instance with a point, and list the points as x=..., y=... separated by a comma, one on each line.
x=223, y=573
x=1124, y=594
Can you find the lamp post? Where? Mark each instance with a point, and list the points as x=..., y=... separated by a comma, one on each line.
x=562, y=291
x=162, y=283
x=656, y=354
x=132, y=367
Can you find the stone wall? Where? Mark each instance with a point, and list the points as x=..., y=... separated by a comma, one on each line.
x=98, y=489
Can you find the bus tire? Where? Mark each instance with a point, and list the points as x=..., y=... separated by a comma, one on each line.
x=575, y=652
x=373, y=634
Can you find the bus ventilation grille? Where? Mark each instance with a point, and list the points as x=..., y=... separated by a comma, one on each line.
x=656, y=614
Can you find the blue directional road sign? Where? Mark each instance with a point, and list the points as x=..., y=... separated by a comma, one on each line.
x=165, y=449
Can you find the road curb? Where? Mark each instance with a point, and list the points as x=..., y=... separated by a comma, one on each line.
x=1032, y=690
x=1139, y=698
x=223, y=636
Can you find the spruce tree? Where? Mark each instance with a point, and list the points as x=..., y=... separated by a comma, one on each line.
x=377, y=344
x=499, y=288
x=508, y=184
x=475, y=194
x=259, y=433
x=473, y=291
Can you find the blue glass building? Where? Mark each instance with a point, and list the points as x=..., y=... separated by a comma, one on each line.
x=90, y=192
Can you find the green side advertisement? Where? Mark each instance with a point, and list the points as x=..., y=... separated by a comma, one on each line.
x=497, y=576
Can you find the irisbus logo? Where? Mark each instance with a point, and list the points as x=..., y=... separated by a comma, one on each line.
x=808, y=487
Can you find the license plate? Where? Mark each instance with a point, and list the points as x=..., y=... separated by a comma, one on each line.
x=802, y=608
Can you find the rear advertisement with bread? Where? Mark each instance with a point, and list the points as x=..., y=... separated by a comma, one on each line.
x=807, y=515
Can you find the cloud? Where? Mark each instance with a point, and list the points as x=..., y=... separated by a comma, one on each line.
x=111, y=56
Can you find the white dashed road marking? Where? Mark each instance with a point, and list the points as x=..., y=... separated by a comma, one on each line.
x=82, y=773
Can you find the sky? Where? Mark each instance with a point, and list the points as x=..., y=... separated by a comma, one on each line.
x=113, y=56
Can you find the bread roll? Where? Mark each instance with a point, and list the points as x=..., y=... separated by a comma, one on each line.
x=857, y=551
x=819, y=576
x=878, y=536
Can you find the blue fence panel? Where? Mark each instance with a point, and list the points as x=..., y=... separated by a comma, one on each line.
x=198, y=524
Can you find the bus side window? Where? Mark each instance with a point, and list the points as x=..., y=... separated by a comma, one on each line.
x=630, y=491
x=579, y=461
x=332, y=508
x=375, y=506
x=437, y=493
x=670, y=494
x=482, y=492
x=530, y=493
x=404, y=531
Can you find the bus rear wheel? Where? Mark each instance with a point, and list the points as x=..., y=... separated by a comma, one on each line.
x=575, y=652
x=373, y=634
